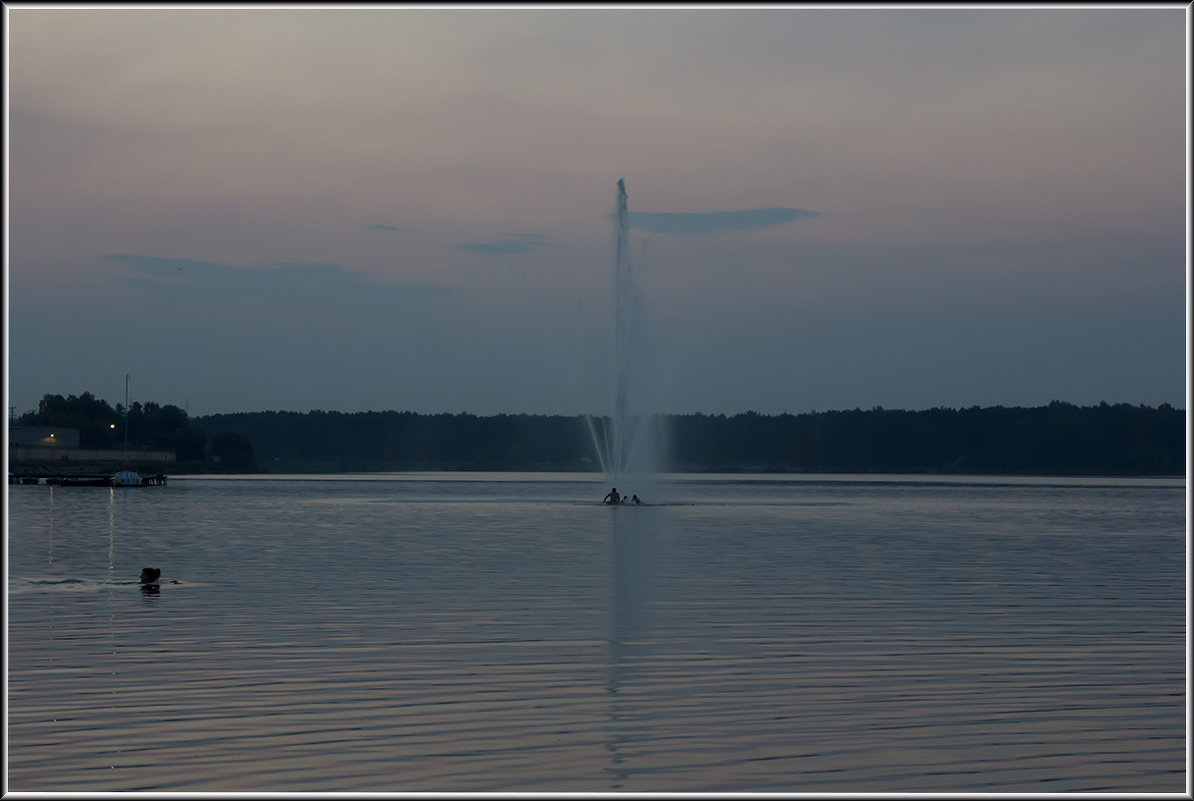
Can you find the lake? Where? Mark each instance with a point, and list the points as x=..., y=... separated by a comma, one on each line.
x=496, y=632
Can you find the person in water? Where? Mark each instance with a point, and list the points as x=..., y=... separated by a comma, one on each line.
x=612, y=497
x=149, y=575
x=635, y=500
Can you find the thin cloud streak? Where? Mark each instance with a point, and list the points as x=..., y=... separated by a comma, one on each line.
x=715, y=223
x=294, y=282
x=511, y=243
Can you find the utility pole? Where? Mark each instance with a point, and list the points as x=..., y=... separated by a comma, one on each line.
x=126, y=422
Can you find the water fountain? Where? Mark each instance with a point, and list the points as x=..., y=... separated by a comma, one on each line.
x=629, y=442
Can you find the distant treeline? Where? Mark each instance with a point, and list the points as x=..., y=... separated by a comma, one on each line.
x=1058, y=439
x=144, y=426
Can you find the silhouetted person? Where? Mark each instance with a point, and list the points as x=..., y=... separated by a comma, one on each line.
x=149, y=575
x=635, y=499
x=612, y=497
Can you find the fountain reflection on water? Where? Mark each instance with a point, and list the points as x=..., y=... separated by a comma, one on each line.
x=630, y=441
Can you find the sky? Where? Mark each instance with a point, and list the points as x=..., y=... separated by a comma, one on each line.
x=376, y=208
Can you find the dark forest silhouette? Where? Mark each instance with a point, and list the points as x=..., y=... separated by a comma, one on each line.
x=1058, y=439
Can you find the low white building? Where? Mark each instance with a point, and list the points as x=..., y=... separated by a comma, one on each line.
x=42, y=437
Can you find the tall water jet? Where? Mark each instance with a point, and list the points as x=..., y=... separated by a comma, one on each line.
x=630, y=441
x=624, y=295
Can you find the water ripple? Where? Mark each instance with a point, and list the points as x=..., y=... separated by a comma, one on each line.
x=328, y=636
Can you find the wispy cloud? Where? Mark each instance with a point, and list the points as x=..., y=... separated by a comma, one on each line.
x=716, y=222
x=495, y=248
x=509, y=243
x=381, y=227
x=286, y=282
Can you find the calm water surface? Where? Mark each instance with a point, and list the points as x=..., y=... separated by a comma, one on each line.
x=506, y=632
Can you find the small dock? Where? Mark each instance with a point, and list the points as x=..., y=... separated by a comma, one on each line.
x=83, y=479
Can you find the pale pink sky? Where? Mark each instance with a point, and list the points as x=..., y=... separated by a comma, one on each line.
x=999, y=196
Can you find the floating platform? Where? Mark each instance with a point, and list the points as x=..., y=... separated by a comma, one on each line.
x=84, y=479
